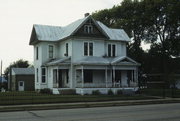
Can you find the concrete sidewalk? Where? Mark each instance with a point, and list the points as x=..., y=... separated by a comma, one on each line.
x=86, y=104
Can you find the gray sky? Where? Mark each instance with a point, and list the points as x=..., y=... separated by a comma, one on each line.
x=18, y=16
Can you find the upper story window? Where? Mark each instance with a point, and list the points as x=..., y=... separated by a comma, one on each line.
x=51, y=51
x=88, y=29
x=111, y=50
x=67, y=48
x=43, y=75
x=37, y=53
x=88, y=49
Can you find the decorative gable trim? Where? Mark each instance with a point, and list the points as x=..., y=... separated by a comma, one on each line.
x=95, y=23
x=124, y=60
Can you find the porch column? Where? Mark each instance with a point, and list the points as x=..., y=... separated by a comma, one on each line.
x=106, y=76
x=114, y=76
x=75, y=78
x=82, y=76
x=57, y=77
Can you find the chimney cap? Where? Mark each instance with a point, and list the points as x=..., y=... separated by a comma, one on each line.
x=86, y=14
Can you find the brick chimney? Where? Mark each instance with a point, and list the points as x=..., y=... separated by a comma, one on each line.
x=86, y=14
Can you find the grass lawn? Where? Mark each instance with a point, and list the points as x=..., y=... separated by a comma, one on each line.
x=160, y=92
x=13, y=98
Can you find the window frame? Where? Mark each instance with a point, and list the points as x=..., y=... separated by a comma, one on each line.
x=37, y=53
x=49, y=52
x=88, y=52
x=43, y=75
x=67, y=49
x=111, y=50
x=88, y=29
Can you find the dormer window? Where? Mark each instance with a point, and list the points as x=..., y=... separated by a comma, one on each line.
x=88, y=29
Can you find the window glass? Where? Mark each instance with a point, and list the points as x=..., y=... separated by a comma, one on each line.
x=91, y=49
x=113, y=50
x=88, y=29
x=43, y=75
x=51, y=49
x=109, y=50
x=85, y=48
x=37, y=53
x=66, y=49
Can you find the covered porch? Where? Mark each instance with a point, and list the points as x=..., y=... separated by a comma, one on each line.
x=105, y=77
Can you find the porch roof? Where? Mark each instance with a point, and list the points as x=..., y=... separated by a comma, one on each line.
x=61, y=61
x=92, y=60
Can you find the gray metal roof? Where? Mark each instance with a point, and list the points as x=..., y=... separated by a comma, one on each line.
x=55, y=33
x=94, y=60
x=22, y=71
x=114, y=34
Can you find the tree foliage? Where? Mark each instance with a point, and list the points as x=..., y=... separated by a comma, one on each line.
x=153, y=21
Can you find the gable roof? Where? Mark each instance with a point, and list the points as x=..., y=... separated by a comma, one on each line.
x=124, y=60
x=22, y=71
x=56, y=33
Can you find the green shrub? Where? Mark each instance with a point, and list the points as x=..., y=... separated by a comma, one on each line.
x=68, y=92
x=96, y=92
x=119, y=92
x=46, y=91
x=110, y=92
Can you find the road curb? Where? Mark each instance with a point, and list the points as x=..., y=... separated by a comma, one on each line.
x=84, y=105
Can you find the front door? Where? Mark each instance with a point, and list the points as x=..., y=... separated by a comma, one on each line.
x=21, y=86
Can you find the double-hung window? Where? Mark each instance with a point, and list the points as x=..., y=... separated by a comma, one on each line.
x=51, y=51
x=67, y=49
x=111, y=50
x=88, y=48
x=88, y=29
x=37, y=53
x=43, y=74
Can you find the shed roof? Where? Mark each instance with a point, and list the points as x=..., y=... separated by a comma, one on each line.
x=22, y=71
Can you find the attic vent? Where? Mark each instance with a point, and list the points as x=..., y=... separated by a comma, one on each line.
x=86, y=14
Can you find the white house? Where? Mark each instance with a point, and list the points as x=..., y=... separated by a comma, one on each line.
x=85, y=55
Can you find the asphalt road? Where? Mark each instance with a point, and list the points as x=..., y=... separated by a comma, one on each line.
x=157, y=112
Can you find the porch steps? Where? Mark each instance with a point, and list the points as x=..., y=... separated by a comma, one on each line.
x=55, y=91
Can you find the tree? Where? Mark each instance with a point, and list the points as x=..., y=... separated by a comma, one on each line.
x=153, y=21
x=17, y=64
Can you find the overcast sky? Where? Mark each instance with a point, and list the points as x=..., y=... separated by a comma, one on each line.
x=18, y=16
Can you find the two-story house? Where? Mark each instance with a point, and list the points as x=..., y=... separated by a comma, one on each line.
x=85, y=55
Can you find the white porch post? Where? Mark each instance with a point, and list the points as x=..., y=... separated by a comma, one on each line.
x=106, y=76
x=75, y=81
x=57, y=77
x=114, y=75
x=82, y=76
